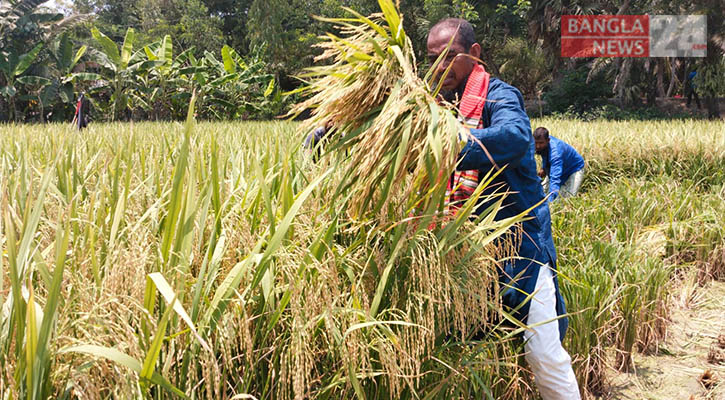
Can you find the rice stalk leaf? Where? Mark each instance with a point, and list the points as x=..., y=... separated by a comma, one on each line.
x=125, y=360
x=31, y=341
x=170, y=296
x=352, y=374
x=226, y=288
x=363, y=325
x=393, y=19
x=210, y=265
x=383, y=282
x=30, y=226
x=152, y=355
x=42, y=356
x=177, y=190
x=284, y=226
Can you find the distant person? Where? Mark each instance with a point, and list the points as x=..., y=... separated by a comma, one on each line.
x=314, y=138
x=691, y=89
x=563, y=170
x=80, y=118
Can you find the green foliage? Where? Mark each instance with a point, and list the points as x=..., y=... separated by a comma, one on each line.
x=12, y=65
x=286, y=31
x=576, y=94
x=153, y=83
x=523, y=66
x=124, y=80
x=56, y=92
x=519, y=39
x=117, y=70
x=25, y=30
x=612, y=112
x=189, y=22
x=710, y=79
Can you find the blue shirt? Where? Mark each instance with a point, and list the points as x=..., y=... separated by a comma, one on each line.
x=690, y=78
x=507, y=137
x=560, y=162
x=315, y=137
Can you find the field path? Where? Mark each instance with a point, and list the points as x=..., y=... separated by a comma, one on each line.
x=674, y=372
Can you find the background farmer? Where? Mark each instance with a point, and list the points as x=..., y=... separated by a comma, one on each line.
x=503, y=127
x=691, y=89
x=315, y=137
x=563, y=167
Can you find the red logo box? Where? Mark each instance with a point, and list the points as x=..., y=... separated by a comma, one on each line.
x=605, y=36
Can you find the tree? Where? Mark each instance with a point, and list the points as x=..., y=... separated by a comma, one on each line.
x=56, y=88
x=286, y=32
x=711, y=78
x=118, y=68
x=190, y=22
x=187, y=21
x=544, y=24
x=25, y=26
x=113, y=17
x=524, y=66
x=234, y=15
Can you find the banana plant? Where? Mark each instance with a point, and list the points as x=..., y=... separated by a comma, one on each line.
x=12, y=66
x=117, y=65
x=236, y=86
x=58, y=89
x=122, y=69
x=65, y=62
x=162, y=81
x=25, y=28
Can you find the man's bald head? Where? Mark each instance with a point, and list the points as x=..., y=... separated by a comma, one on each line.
x=453, y=37
x=465, y=36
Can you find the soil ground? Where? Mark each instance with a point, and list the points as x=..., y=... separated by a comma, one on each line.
x=697, y=320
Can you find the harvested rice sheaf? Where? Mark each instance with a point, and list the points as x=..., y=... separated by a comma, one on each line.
x=402, y=144
x=393, y=148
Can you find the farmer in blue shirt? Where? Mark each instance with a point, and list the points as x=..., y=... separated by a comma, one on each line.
x=563, y=166
x=505, y=132
x=315, y=137
x=690, y=89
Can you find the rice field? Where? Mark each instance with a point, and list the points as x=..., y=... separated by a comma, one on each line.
x=216, y=260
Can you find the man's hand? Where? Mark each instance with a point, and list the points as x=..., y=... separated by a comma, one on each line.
x=542, y=173
x=463, y=134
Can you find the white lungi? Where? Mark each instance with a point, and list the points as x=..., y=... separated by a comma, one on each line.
x=569, y=188
x=545, y=355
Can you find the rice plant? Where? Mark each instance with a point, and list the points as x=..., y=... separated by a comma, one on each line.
x=217, y=260
x=94, y=224
x=201, y=262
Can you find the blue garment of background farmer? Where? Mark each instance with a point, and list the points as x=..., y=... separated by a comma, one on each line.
x=562, y=164
x=508, y=139
x=691, y=89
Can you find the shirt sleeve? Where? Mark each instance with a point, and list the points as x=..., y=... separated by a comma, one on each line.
x=508, y=137
x=555, y=171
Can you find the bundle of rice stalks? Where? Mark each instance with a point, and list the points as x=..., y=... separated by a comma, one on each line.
x=402, y=144
x=423, y=292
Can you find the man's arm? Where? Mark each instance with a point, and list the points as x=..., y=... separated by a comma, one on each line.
x=555, y=171
x=508, y=137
